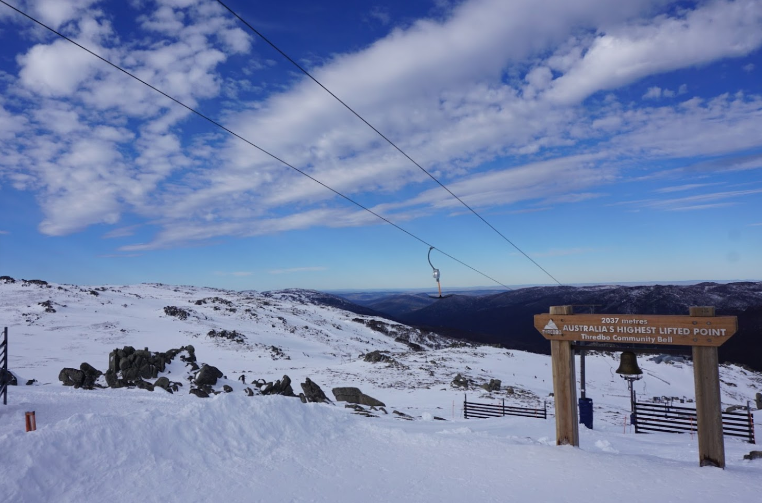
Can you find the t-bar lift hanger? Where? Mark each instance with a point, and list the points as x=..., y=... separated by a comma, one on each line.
x=435, y=273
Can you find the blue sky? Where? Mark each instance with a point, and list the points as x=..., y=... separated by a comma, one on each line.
x=610, y=141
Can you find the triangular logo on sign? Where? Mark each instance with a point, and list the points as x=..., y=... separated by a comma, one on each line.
x=551, y=329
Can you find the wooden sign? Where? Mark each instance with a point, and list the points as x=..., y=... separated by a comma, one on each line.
x=637, y=328
x=701, y=329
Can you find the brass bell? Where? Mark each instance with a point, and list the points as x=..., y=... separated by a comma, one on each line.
x=628, y=365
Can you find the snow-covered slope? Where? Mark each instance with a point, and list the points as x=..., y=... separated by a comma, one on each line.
x=56, y=326
x=136, y=445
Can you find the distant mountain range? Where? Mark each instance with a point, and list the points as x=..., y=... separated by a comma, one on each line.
x=507, y=318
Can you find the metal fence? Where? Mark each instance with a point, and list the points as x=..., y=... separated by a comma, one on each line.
x=4, y=366
x=484, y=410
x=676, y=419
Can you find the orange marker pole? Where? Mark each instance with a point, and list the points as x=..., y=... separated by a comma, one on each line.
x=31, y=422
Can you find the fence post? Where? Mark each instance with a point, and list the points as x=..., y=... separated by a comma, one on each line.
x=752, y=440
x=4, y=369
x=465, y=406
x=503, y=406
x=634, y=414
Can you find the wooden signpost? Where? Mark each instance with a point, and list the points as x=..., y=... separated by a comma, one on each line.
x=701, y=329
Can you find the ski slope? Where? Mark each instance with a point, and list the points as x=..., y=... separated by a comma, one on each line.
x=123, y=445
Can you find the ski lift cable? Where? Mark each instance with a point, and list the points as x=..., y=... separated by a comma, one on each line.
x=233, y=133
x=390, y=142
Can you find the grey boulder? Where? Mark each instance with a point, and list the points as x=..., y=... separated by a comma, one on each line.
x=199, y=393
x=162, y=382
x=7, y=377
x=493, y=385
x=354, y=395
x=312, y=392
x=71, y=377
x=207, y=375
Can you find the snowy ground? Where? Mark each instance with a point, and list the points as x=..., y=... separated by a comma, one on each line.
x=135, y=445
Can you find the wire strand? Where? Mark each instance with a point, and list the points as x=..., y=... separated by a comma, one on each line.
x=390, y=142
x=233, y=133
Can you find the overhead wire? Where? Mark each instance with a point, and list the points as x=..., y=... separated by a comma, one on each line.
x=245, y=140
x=390, y=142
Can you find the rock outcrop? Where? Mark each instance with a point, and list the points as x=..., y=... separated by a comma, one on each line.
x=280, y=387
x=163, y=383
x=7, y=377
x=230, y=335
x=460, y=382
x=84, y=378
x=128, y=367
x=207, y=375
x=48, y=305
x=378, y=357
x=354, y=395
x=312, y=392
x=199, y=393
x=492, y=385
x=177, y=312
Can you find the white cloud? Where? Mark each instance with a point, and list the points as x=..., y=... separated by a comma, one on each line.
x=450, y=130
x=692, y=128
x=749, y=68
x=652, y=93
x=699, y=207
x=444, y=90
x=449, y=124
x=57, y=69
x=184, y=232
x=625, y=53
x=682, y=188
x=82, y=160
x=10, y=124
x=380, y=14
x=698, y=202
x=58, y=12
x=548, y=181
x=121, y=232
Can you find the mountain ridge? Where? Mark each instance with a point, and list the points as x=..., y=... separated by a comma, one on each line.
x=506, y=318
